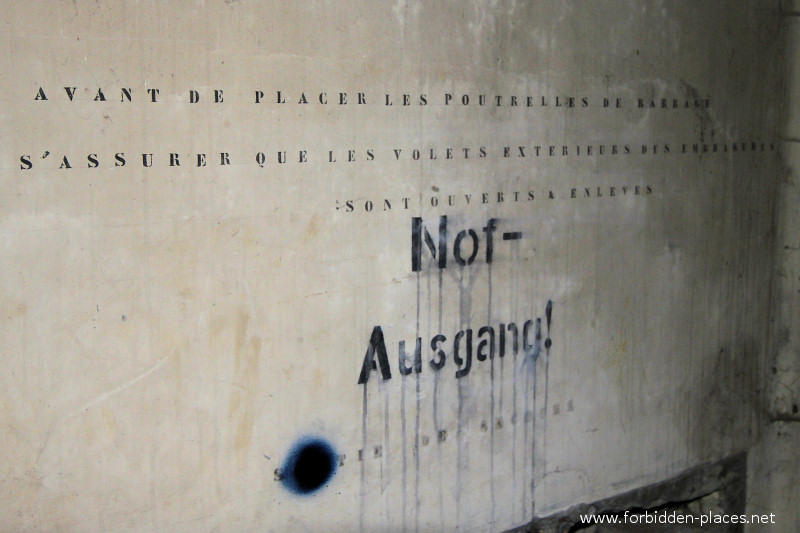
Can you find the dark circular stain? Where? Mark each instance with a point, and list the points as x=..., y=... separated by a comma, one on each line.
x=309, y=466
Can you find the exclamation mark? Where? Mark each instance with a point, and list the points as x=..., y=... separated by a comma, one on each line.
x=548, y=313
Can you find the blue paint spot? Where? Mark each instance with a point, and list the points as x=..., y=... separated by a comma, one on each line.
x=311, y=463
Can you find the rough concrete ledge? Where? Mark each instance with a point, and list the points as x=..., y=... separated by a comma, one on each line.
x=726, y=479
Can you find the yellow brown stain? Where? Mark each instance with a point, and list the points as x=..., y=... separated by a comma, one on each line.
x=311, y=229
x=247, y=352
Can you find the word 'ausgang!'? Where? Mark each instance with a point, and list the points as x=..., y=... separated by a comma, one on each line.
x=491, y=342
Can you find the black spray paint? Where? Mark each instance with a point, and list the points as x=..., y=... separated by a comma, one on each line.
x=438, y=250
x=486, y=343
x=309, y=466
x=470, y=348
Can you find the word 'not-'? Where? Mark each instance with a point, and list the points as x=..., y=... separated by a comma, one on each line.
x=420, y=234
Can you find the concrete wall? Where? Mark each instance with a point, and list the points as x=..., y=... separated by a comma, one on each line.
x=203, y=297
x=774, y=462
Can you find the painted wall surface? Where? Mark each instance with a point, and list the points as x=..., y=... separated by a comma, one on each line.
x=228, y=229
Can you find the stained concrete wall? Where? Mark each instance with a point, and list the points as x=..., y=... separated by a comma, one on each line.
x=775, y=462
x=212, y=290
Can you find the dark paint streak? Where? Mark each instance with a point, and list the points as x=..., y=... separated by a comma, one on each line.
x=462, y=298
x=417, y=502
x=525, y=428
x=459, y=386
x=491, y=406
x=363, y=494
x=514, y=436
x=436, y=423
x=465, y=319
x=459, y=452
x=533, y=358
x=429, y=315
x=514, y=378
x=548, y=313
x=516, y=422
x=404, y=438
x=416, y=426
x=533, y=439
x=386, y=478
